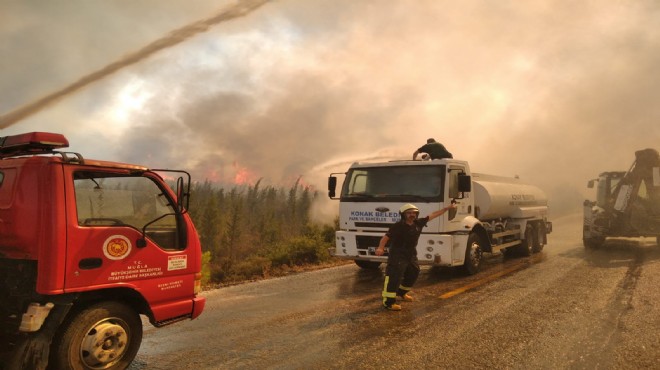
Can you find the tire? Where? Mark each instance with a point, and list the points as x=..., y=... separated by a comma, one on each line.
x=539, y=233
x=106, y=335
x=473, y=255
x=526, y=247
x=508, y=252
x=367, y=265
x=593, y=243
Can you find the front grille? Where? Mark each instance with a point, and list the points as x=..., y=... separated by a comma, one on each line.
x=364, y=241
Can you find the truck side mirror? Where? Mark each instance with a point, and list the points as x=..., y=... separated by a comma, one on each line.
x=332, y=186
x=182, y=190
x=464, y=183
x=181, y=196
x=590, y=184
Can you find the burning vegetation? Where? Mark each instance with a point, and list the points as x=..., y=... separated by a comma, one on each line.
x=257, y=231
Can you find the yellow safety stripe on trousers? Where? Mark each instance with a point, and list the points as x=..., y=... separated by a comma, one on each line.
x=404, y=287
x=387, y=294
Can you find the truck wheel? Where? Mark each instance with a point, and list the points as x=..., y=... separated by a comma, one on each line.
x=526, y=247
x=103, y=336
x=593, y=243
x=473, y=255
x=539, y=232
x=368, y=265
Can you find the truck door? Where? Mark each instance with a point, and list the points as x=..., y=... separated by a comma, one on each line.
x=107, y=212
x=463, y=199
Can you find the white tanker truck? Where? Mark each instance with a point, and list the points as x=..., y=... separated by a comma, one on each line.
x=492, y=213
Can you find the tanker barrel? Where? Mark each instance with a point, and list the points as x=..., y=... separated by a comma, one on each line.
x=506, y=197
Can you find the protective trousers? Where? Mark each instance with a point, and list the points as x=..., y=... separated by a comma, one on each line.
x=400, y=275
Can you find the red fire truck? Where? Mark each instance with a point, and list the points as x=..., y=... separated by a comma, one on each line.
x=86, y=247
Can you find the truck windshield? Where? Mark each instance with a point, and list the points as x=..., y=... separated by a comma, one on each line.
x=394, y=183
x=106, y=199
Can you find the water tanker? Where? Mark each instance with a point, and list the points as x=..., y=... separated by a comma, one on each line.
x=504, y=197
x=492, y=213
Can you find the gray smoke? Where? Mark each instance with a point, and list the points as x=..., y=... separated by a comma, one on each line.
x=554, y=93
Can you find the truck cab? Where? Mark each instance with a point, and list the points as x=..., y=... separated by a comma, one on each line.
x=86, y=246
x=605, y=185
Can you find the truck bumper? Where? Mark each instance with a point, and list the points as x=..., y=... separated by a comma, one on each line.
x=432, y=249
x=198, y=306
x=441, y=249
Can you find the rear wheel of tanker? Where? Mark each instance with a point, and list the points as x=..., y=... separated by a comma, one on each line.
x=473, y=255
x=508, y=252
x=103, y=336
x=539, y=233
x=526, y=247
x=368, y=265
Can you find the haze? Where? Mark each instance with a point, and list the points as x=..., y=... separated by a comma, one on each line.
x=554, y=93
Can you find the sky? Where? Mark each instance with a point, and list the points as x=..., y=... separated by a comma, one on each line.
x=553, y=92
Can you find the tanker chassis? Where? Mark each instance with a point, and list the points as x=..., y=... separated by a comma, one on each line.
x=492, y=213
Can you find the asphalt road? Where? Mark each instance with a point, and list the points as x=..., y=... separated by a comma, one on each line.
x=566, y=307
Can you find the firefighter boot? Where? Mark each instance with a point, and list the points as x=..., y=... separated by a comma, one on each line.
x=407, y=297
x=392, y=307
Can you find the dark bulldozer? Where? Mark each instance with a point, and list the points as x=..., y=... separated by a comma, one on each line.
x=627, y=203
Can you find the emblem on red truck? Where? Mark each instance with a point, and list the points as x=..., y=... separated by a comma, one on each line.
x=117, y=247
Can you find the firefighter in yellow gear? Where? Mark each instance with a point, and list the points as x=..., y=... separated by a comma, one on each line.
x=402, y=268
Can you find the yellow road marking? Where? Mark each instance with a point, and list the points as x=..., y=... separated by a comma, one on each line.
x=483, y=281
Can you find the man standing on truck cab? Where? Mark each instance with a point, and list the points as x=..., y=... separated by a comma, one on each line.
x=402, y=268
x=434, y=149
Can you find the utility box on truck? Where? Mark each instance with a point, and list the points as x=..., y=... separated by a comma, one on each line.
x=492, y=213
x=627, y=204
x=86, y=247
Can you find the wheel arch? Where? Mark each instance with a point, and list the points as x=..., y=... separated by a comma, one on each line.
x=474, y=226
x=127, y=296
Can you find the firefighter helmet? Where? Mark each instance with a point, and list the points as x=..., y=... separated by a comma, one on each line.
x=408, y=207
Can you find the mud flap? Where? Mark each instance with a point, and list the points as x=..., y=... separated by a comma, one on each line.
x=32, y=349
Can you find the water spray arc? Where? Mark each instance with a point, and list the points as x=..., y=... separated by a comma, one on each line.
x=240, y=9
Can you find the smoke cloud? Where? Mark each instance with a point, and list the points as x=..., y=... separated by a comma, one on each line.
x=172, y=39
x=554, y=93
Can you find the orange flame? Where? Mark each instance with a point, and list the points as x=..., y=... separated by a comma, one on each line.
x=243, y=175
